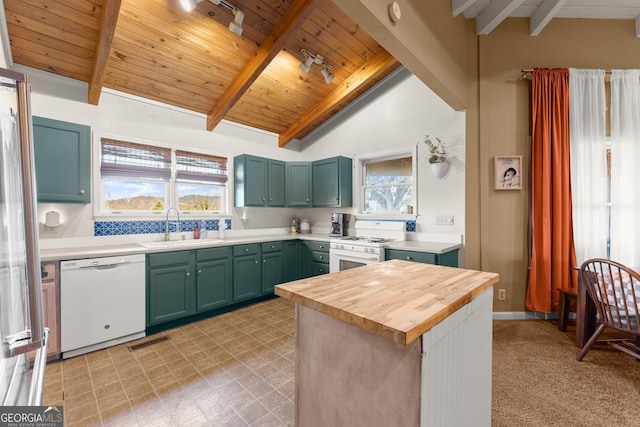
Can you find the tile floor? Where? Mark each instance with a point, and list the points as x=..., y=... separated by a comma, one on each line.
x=235, y=369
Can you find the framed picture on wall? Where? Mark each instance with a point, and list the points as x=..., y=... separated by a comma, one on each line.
x=507, y=172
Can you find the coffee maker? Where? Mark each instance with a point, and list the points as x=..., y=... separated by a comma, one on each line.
x=338, y=225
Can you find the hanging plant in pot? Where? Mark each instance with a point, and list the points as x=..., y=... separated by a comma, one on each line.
x=437, y=157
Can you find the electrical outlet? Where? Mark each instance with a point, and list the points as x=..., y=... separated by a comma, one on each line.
x=502, y=294
x=444, y=220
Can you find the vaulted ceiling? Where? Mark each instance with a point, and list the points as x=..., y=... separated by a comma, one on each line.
x=156, y=50
x=488, y=14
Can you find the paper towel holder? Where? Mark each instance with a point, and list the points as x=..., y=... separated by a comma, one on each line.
x=52, y=219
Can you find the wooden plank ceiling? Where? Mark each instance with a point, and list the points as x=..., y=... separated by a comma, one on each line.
x=156, y=50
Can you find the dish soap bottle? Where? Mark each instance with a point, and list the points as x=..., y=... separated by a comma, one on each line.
x=203, y=229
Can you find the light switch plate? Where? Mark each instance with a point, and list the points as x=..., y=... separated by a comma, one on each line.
x=444, y=220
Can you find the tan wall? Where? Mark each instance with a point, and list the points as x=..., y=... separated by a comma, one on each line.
x=505, y=129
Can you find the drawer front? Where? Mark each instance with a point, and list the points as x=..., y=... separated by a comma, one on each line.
x=250, y=249
x=319, y=268
x=319, y=246
x=320, y=256
x=424, y=257
x=213, y=253
x=271, y=247
x=165, y=259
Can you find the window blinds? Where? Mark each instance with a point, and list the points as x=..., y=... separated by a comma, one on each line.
x=200, y=167
x=128, y=159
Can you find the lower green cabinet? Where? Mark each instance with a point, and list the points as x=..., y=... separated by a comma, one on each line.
x=246, y=272
x=449, y=259
x=272, y=266
x=170, y=286
x=184, y=283
x=214, y=283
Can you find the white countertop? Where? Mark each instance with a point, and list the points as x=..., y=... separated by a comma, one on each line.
x=94, y=249
x=421, y=246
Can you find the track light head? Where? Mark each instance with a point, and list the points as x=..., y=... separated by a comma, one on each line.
x=306, y=65
x=328, y=77
x=235, y=26
x=189, y=5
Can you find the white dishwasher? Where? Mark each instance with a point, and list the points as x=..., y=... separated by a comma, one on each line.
x=102, y=303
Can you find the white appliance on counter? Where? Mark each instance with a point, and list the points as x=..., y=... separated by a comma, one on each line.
x=366, y=246
x=102, y=303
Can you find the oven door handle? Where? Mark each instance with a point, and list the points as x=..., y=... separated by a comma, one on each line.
x=355, y=256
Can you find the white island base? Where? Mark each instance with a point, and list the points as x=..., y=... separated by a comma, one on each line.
x=346, y=376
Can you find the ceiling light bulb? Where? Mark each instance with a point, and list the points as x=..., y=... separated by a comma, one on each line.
x=328, y=77
x=306, y=64
x=188, y=5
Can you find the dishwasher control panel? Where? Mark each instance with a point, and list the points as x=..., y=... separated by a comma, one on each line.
x=99, y=262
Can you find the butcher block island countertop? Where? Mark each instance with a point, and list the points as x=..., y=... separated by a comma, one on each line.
x=398, y=300
x=397, y=343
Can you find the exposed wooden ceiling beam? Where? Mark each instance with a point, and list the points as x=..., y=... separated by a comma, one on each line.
x=380, y=63
x=459, y=6
x=108, y=21
x=496, y=12
x=543, y=14
x=294, y=18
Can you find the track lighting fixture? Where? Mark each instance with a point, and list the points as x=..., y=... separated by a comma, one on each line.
x=310, y=59
x=235, y=26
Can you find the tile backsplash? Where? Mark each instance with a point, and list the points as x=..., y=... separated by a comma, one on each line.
x=119, y=228
x=410, y=223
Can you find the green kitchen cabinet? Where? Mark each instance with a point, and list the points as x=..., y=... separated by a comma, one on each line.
x=332, y=182
x=290, y=257
x=170, y=285
x=316, y=258
x=214, y=283
x=246, y=272
x=305, y=260
x=272, y=266
x=449, y=259
x=298, y=184
x=258, y=181
x=62, y=153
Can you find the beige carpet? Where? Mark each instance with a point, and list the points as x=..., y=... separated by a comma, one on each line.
x=538, y=382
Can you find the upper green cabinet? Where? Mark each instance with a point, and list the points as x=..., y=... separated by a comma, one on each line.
x=264, y=182
x=258, y=181
x=298, y=184
x=62, y=153
x=331, y=182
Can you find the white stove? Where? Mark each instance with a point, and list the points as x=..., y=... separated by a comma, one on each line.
x=366, y=247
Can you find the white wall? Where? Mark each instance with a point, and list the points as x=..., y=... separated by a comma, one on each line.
x=399, y=113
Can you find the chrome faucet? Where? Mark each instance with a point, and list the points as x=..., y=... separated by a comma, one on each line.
x=167, y=230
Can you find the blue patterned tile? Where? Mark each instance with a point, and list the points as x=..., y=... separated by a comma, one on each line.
x=227, y=224
x=411, y=226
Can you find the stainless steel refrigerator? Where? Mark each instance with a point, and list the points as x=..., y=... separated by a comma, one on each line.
x=21, y=315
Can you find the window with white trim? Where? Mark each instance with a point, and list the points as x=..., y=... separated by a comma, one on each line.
x=140, y=178
x=388, y=181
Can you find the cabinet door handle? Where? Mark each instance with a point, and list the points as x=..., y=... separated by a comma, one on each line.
x=321, y=256
x=188, y=274
x=199, y=271
x=273, y=246
x=256, y=261
x=81, y=191
x=246, y=249
x=321, y=246
x=264, y=260
x=307, y=200
x=408, y=258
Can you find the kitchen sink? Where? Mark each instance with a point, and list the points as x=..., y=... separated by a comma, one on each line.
x=179, y=243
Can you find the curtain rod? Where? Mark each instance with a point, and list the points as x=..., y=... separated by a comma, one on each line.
x=529, y=71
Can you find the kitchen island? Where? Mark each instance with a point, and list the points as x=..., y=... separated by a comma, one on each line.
x=395, y=343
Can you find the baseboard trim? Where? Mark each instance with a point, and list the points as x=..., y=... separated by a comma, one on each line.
x=525, y=315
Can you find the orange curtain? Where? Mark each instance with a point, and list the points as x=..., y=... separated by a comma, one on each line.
x=552, y=249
